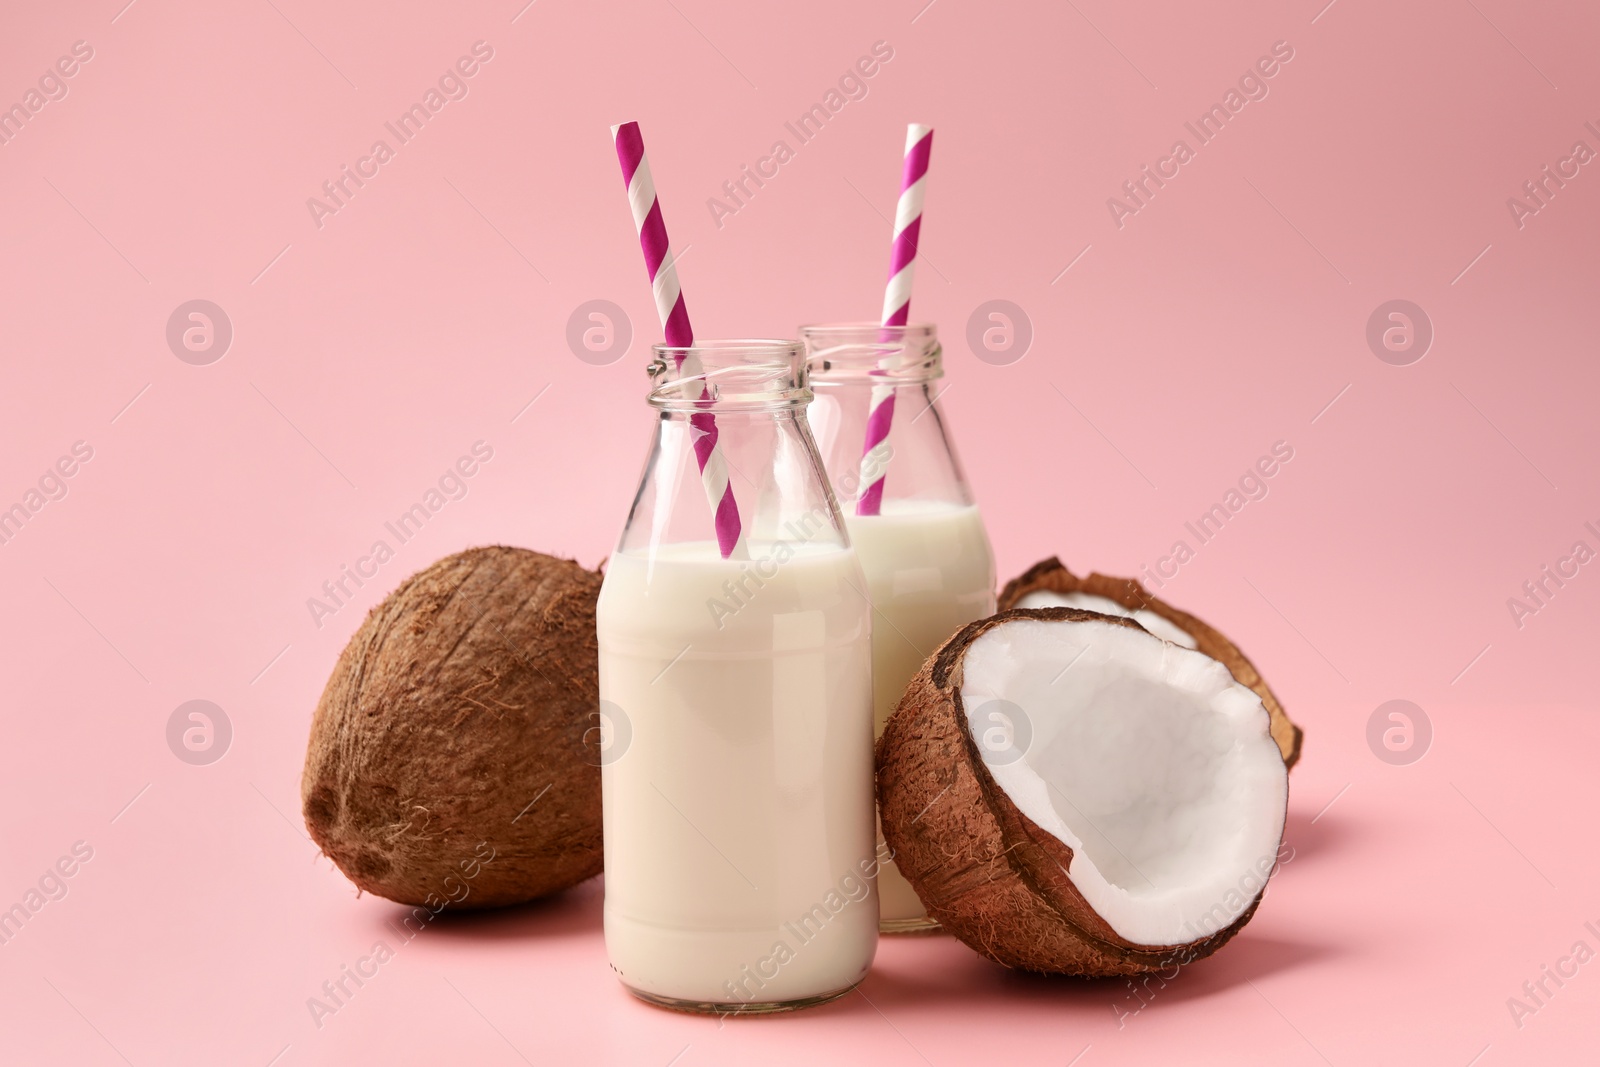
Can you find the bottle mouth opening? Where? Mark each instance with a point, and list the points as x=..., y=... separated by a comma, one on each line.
x=867, y=352
x=755, y=373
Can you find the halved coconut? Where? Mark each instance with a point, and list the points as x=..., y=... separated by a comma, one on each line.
x=1069, y=794
x=1049, y=584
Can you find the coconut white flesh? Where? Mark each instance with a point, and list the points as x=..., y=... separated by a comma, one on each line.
x=1156, y=624
x=1148, y=760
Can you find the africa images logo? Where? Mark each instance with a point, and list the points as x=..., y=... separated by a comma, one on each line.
x=452, y=85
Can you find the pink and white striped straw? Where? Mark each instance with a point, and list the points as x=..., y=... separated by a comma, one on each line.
x=663, y=269
x=896, y=307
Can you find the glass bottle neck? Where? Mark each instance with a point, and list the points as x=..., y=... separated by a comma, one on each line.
x=720, y=377
x=869, y=354
x=733, y=470
x=913, y=457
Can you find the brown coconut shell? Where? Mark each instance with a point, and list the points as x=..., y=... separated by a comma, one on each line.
x=1051, y=576
x=989, y=874
x=453, y=728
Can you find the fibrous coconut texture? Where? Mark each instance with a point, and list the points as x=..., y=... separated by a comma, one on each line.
x=454, y=729
x=1069, y=794
x=1049, y=584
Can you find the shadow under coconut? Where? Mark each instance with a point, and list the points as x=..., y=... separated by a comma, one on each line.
x=1327, y=834
x=1247, y=958
x=571, y=912
x=920, y=972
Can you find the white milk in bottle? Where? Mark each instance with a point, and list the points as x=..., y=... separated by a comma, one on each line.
x=736, y=700
x=925, y=553
x=929, y=573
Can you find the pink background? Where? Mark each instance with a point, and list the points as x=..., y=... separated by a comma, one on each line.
x=1227, y=314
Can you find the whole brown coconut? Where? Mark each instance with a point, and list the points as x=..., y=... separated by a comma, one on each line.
x=1050, y=576
x=1006, y=885
x=447, y=759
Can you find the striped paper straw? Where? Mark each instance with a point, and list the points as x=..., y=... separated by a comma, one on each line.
x=896, y=307
x=663, y=268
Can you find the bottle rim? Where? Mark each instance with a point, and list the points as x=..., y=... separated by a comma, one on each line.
x=722, y=373
x=869, y=352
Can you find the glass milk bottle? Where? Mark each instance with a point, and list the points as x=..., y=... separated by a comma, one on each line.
x=921, y=541
x=736, y=703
